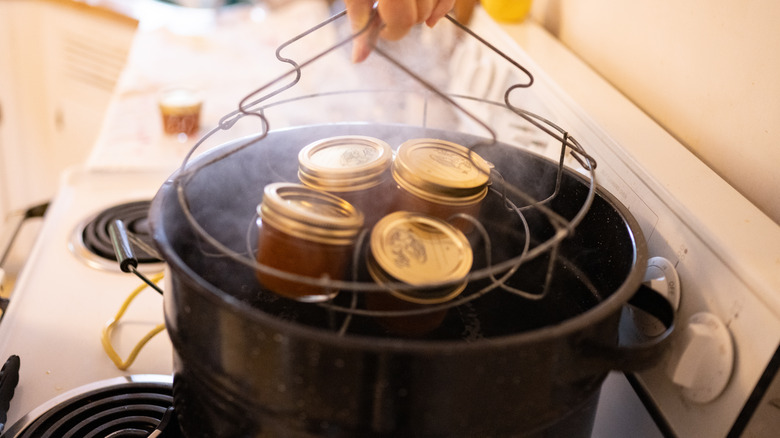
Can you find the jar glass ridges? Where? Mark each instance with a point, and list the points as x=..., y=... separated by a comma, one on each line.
x=355, y=168
x=440, y=178
x=417, y=250
x=305, y=232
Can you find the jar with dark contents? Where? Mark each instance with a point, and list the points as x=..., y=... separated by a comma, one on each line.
x=307, y=233
x=180, y=109
x=355, y=168
x=440, y=178
x=413, y=249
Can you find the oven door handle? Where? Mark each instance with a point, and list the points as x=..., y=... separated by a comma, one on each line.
x=36, y=211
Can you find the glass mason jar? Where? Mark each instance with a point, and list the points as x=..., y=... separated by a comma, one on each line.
x=305, y=232
x=440, y=178
x=353, y=167
x=417, y=250
x=180, y=109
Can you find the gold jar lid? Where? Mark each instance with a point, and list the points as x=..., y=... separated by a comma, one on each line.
x=309, y=214
x=420, y=250
x=441, y=171
x=344, y=163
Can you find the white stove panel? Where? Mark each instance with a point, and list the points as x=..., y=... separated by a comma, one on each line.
x=60, y=305
x=709, y=283
x=724, y=250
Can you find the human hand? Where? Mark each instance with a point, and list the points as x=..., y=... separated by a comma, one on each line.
x=396, y=16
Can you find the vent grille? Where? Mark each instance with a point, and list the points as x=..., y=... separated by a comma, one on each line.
x=91, y=62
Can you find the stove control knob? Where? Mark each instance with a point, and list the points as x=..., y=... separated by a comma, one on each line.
x=661, y=276
x=702, y=362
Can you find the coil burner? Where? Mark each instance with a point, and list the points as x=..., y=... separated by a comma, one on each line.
x=134, y=406
x=91, y=240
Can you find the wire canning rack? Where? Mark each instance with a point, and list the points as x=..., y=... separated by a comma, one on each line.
x=493, y=273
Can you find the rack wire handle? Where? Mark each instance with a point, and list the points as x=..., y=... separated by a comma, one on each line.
x=496, y=50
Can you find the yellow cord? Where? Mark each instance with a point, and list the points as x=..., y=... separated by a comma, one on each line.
x=109, y=327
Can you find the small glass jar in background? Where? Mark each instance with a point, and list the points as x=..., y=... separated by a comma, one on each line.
x=180, y=109
x=440, y=178
x=355, y=168
x=305, y=232
x=418, y=250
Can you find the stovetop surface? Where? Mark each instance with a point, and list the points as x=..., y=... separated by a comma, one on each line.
x=132, y=406
x=61, y=304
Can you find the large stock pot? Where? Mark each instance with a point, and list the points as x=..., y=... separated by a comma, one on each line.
x=251, y=363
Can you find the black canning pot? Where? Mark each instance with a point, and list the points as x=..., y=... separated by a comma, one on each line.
x=250, y=363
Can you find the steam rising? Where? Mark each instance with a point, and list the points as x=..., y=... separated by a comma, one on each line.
x=223, y=187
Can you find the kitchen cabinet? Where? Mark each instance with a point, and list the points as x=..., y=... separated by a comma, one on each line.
x=6, y=101
x=59, y=63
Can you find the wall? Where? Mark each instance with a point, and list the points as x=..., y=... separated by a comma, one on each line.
x=706, y=70
x=6, y=116
x=61, y=61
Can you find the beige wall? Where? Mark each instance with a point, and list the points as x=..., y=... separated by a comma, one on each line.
x=59, y=61
x=706, y=70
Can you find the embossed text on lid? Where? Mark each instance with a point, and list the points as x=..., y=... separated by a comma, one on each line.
x=344, y=163
x=417, y=249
